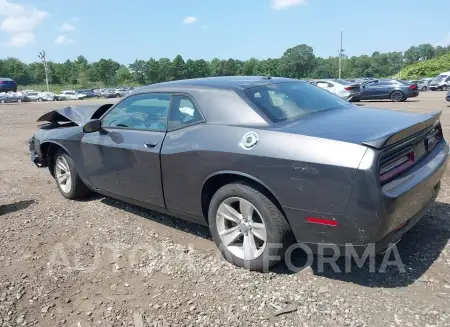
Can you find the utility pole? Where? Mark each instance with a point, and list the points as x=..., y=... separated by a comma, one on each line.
x=41, y=56
x=341, y=51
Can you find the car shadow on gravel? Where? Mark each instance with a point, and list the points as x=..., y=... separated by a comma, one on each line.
x=170, y=221
x=16, y=206
x=419, y=248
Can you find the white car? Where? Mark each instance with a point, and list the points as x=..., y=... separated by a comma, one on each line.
x=344, y=89
x=72, y=95
x=46, y=96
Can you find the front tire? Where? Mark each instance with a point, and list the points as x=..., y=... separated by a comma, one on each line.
x=424, y=88
x=397, y=96
x=248, y=228
x=69, y=182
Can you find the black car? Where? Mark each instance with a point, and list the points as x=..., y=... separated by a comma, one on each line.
x=391, y=89
x=262, y=161
x=7, y=85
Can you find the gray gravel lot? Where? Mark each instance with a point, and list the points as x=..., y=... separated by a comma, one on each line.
x=102, y=262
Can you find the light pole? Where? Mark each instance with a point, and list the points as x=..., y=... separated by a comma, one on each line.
x=341, y=51
x=41, y=56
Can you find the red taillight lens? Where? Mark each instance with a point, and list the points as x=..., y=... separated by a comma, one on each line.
x=347, y=88
x=396, y=166
x=1, y=82
x=413, y=87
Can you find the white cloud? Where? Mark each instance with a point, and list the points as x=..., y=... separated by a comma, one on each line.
x=282, y=4
x=190, y=20
x=62, y=39
x=20, y=23
x=67, y=27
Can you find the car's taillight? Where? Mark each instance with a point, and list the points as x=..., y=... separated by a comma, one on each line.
x=347, y=88
x=1, y=82
x=395, y=166
x=413, y=87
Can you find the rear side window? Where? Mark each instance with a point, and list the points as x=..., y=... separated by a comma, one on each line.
x=285, y=101
x=183, y=112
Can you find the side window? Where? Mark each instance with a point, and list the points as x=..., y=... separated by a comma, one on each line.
x=142, y=111
x=183, y=112
x=322, y=84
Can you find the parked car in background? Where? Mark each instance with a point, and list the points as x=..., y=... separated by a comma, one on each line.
x=8, y=97
x=109, y=93
x=46, y=96
x=7, y=85
x=346, y=174
x=72, y=95
x=441, y=82
x=424, y=84
x=347, y=91
x=392, y=89
x=89, y=93
x=33, y=95
x=120, y=92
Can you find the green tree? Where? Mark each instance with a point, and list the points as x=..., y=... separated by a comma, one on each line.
x=123, y=75
x=297, y=62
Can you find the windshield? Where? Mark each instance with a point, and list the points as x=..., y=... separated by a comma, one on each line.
x=440, y=78
x=285, y=101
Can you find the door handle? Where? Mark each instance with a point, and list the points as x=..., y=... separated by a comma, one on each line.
x=151, y=144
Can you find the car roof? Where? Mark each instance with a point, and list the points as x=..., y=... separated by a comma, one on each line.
x=6, y=79
x=222, y=82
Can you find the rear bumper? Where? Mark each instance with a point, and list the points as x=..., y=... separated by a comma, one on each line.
x=376, y=216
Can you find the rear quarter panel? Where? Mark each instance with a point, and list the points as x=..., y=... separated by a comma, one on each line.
x=302, y=172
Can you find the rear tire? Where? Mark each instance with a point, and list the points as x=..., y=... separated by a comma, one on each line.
x=397, y=96
x=240, y=236
x=69, y=182
x=424, y=88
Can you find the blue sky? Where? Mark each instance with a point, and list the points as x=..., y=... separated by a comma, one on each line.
x=140, y=29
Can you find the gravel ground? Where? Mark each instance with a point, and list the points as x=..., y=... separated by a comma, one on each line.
x=102, y=262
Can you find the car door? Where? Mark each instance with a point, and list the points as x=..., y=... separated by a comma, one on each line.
x=370, y=90
x=124, y=157
x=180, y=155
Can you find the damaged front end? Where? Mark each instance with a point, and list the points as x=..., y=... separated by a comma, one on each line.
x=35, y=152
x=53, y=124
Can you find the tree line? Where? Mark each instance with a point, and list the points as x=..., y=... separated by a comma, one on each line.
x=296, y=62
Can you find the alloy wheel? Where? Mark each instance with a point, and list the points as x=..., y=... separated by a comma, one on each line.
x=62, y=172
x=241, y=228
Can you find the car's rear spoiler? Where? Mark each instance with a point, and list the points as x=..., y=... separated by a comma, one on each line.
x=396, y=136
x=80, y=115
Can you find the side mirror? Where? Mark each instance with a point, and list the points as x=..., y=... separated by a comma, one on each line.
x=92, y=126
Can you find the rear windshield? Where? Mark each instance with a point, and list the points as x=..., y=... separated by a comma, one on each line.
x=286, y=101
x=343, y=82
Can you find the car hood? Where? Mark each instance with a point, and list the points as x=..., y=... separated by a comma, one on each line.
x=80, y=115
x=369, y=126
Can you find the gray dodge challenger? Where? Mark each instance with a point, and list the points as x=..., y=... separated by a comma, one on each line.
x=264, y=162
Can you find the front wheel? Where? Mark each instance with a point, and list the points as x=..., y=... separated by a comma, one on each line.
x=69, y=182
x=247, y=226
x=397, y=96
x=19, y=100
x=424, y=88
